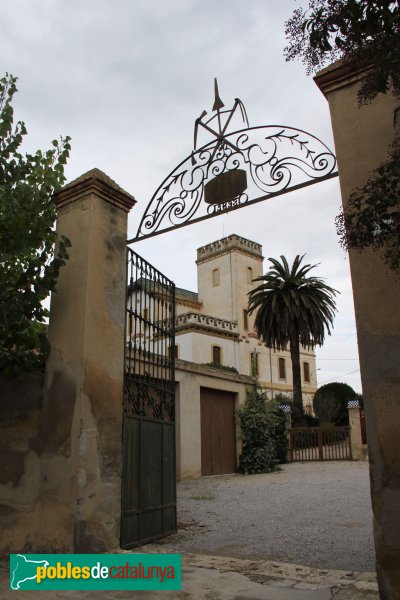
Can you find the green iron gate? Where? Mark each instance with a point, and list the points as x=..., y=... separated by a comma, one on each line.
x=148, y=474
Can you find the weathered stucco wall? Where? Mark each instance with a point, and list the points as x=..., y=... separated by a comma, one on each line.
x=20, y=418
x=73, y=444
x=197, y=347
x=232, y=256
x=362, y=137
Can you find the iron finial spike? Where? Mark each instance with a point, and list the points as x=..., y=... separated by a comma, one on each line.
x=196, y=126
x=243, y=111
x=218, y=104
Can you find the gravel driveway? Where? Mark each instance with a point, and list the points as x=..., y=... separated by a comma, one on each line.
x=312, y=513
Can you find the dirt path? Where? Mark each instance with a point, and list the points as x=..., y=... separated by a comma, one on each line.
x=315, y=514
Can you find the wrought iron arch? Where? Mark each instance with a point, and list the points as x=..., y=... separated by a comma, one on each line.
x=229, y=172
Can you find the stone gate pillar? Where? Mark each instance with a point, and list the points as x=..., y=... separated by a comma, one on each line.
x=358, y=449
x=362, y=137
x=81, y=445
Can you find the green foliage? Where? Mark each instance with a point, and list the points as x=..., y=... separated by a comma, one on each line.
x=221, y=367
x=372, y=218
x=291, y=305
x=365, y=33
x=330, y=403
x=29, y=265
x=310, y=421
x=298, y=417
x=203, y=497
x=280, y=437
x=292, y=308
x=262, y=426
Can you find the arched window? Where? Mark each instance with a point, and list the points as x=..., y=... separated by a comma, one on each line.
x=216, y=355
x=249, y=275
x=282, y=368
x=254, y=364
x=245, y=319
x=215, y=277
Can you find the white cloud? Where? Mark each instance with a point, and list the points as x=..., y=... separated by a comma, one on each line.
x=126, y=79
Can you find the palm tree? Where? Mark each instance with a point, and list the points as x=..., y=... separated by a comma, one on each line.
x=292, y=308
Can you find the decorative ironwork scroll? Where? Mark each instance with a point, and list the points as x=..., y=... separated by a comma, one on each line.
x=276, y=159
x=149, y=364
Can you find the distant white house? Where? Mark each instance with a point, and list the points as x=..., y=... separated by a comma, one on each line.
x=213, y=325
x=217, y=355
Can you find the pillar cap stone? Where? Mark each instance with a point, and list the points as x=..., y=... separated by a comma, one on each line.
x=353, y=404
x=98, y=183
x=338, y=74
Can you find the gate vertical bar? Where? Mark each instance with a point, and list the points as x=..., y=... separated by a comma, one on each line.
x=320, y=445
x=149, y=473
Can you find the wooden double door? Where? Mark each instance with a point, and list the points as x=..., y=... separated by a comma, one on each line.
x=218, y=432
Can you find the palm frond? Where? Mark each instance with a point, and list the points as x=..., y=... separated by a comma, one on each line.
x=289, y=303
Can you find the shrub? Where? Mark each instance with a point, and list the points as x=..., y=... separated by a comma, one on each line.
x=262, y=426
x=298, y=418
x=330, y=402
x=281, y=440
x=310, y=421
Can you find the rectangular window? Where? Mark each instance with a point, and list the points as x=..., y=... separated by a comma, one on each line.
x=249, y=275
x=282, y=368
x=306, y=372
x=215, y=277
x=254, y=364
x=245, y=319
x=216, y=355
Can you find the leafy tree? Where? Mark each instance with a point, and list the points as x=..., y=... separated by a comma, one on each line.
x=372, y=217
x=262, y=427
x=366, y=35
x=330, y=402
x=29, y=264
x=292, y=308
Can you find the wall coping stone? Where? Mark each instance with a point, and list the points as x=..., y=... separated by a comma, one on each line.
x=187, y=365
x=338, y=74
x=96, y=182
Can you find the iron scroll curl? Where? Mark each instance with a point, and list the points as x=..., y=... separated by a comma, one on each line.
x=277, y=159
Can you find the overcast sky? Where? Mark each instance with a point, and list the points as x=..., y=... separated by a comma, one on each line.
x=126, y=80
